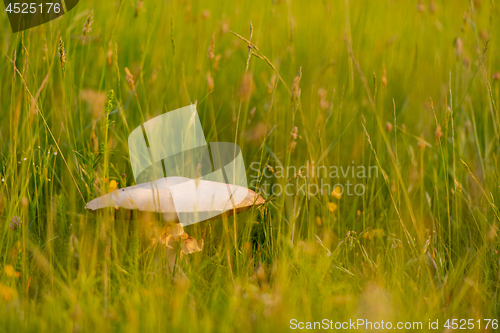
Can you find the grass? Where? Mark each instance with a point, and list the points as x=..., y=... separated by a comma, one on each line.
x=411, y=88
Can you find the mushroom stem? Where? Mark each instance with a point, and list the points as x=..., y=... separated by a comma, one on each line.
x=172, y=266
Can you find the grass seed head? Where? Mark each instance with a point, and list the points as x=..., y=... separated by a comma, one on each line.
x=130, y=79
x=140, y=4
x=293, y=138
x=62, y=53
x=210, y=82
x=247, y=86
x=87, y=26
x=109, y=54
x=211, y=48
x=438, y=133
x=323, y=103
x=216, y=62
x=295, y=87
x=459, y=47
x=109, y=102
x=45, y=49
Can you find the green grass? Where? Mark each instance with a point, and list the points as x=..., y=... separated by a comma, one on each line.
x=421, y=243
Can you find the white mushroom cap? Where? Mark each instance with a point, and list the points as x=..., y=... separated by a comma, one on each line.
x=192, y=200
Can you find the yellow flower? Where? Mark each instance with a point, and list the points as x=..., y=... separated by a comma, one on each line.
x=318, y=221
x=10, y=271
x=332, y=207
x=337, y=192
x=7, y=292
x=112, y=185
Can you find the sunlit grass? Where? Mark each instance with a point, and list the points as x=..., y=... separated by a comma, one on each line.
x=412, y=89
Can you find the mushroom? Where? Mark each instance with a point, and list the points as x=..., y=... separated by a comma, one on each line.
x=214, y=179
x=183, y=201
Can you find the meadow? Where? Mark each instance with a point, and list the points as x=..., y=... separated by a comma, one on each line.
x=410, y=89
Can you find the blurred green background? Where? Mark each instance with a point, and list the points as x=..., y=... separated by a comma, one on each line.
x=411, y=87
